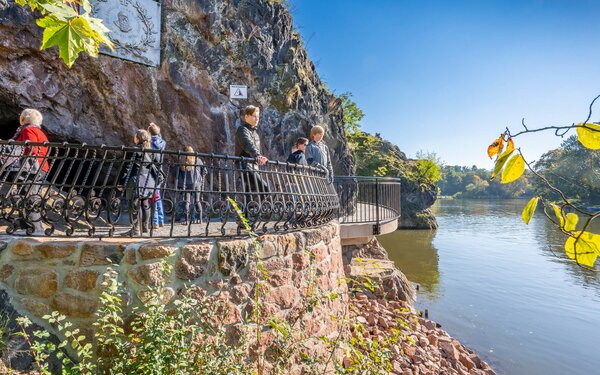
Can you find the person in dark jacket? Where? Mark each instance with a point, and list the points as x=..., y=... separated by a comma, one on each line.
x=297, y=155
x=142, y=177
x=190, y=181
x=157, y=143
x=317, y=152
x=247, y=144
x=296, y=158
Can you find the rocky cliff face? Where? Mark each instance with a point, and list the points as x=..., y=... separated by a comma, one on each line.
x=206, y=45
x=416, y=201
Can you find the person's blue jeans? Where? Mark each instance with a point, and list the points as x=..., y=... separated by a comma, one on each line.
x=159, y=212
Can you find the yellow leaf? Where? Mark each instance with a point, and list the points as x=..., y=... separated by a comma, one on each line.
x=513, y=170
x=585, y=250
x=529, y=209
x=589, y=135
x=500, y=163
x=510, y=145
x=559, y=215
x=571, y=221
x=496, y=147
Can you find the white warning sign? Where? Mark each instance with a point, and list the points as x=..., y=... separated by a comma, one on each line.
x=238, y=92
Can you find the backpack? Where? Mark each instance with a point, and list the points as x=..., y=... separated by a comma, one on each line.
x=12, y=160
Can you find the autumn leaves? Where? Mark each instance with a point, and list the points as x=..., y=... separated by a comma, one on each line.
x=581, y=246
x=513, y=166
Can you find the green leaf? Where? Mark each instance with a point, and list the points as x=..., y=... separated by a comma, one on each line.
x=584, y=250
x=529, y=209
x=500, y=163
x=589, y=135
x=71, y=32
x=71, y=37
x=58, y=10
x=98, y=33
x=571, y=222
x=559, y=215
x=513, y=170
x=87, y=7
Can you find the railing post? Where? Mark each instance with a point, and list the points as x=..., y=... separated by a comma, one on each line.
x=376, y=227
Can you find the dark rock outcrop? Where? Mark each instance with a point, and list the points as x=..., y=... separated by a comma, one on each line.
x=206, y=45
x=368, y=265
x=416, y=201
x=374, y=155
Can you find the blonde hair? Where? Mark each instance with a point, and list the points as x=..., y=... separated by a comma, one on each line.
x=143, y=137
x=190, y=160
x=318, y=129
x=31, y=116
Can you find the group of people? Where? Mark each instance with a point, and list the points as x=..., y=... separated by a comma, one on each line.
x=313, y=152
x=143, y=177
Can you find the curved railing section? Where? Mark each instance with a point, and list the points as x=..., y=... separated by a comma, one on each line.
x=60, y=189
x=368, y=200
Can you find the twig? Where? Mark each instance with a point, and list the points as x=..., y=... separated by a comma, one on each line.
x=590, y=112
x=552, y=187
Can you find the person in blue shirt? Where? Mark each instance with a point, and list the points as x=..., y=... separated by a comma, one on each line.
x=317, y=152
x=157, y=143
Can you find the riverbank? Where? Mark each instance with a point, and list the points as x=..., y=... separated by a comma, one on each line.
x=422, y=346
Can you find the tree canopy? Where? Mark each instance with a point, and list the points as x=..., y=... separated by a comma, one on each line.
x=574, y=168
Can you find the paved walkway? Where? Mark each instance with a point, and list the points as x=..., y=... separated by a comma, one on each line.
x=121, y=230
x=366, y=213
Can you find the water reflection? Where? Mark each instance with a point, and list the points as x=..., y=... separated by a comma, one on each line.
x=503, y=288
x=414, y=253
x=551, y=242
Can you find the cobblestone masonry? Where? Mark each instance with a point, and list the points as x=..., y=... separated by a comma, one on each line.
x=42, y=275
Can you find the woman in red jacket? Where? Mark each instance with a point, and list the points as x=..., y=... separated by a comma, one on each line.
x=31, y=130
x=35, y=159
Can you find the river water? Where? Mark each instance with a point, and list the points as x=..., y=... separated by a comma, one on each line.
x=503, y=288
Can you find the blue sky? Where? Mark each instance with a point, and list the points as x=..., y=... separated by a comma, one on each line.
x=449, y=76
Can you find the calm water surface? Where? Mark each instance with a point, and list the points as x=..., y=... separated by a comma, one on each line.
x=503, y=288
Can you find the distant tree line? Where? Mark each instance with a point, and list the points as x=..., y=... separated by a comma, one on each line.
x=573, y=167
x=473, y=182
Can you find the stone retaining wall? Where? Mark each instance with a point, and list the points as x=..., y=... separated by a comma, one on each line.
x=44, y=275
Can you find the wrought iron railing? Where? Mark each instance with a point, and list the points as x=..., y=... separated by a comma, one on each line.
x=99, y=191
x=368, y=199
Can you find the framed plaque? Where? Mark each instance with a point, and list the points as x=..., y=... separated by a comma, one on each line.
x=134, y=28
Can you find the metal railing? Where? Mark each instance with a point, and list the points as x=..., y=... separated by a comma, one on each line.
x=100, y=191
x=364, y=199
